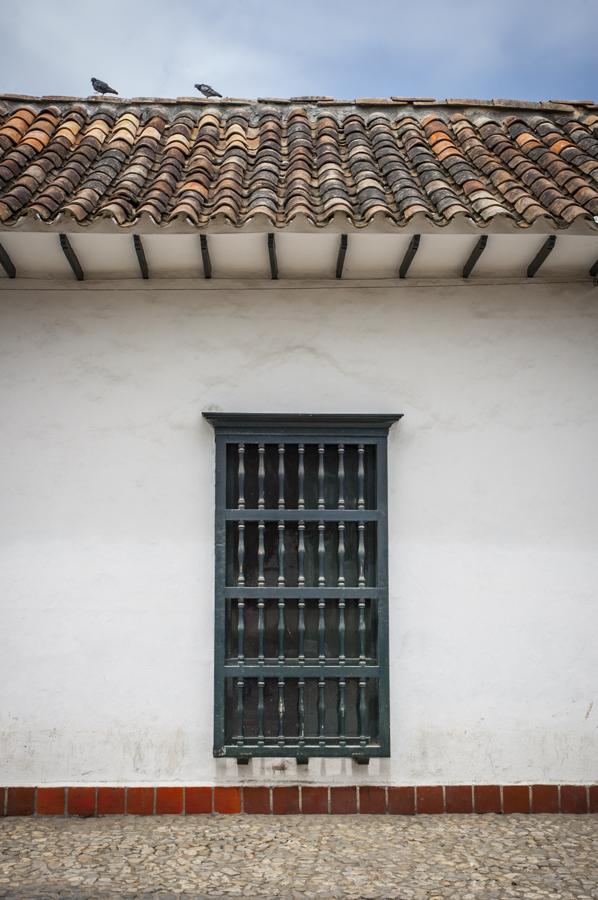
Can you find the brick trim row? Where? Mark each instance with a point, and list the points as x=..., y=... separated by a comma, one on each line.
x=297, y=799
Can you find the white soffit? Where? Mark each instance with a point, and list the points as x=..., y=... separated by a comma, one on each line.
x=105, y=255
x=442, y=255
x=374, y=255
x=572, y=254
x=307, y=255
x=299, y=256
x=177, y=255
x=36, y=255
x=239, y=255
x=510, y=255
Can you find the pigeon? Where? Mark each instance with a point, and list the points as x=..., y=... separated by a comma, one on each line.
x=100, y=87
x=207, y=91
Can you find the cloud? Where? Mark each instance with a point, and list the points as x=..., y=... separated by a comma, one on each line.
x=519, y=48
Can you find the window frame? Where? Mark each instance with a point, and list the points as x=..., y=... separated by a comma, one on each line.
x=272, y=428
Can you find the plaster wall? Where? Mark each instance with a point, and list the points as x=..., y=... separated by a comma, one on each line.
x=106, y=532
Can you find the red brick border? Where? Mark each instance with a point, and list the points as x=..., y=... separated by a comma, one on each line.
x=86, y=800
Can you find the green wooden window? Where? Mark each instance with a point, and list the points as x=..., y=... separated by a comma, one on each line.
x=301, y=615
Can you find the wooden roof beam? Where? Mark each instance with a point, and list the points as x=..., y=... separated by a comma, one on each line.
x=409, y=254
x=205, y=256
x=71, y=257
x=272, y=256
x=342, y=252
x=141, y=258
x=7, y=263
x=479, y=247
x=544, y=251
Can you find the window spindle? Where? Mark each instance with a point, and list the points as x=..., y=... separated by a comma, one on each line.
x=240, y=711
x=360, y=525
x=342, y=709
x=321, y=711
x=301, y=629
x=261, y=474
x=301, y=476
x=301, y=710
x=281, y=712
x=281, y=628
x=362, y=712
x=260, y=711
x=361, y=629
x=240, y=631
x=261, y=525
x=260, y=630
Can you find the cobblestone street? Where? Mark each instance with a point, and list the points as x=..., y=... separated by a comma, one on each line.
x=287, y=857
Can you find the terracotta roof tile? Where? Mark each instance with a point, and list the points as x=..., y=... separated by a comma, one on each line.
x=197, y=161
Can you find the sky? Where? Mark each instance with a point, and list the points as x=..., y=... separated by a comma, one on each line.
x=522, y=49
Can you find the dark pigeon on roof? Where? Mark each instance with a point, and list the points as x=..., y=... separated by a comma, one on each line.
x=101, y=87
x=207, y=91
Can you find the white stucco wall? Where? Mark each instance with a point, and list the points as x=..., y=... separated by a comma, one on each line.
x=106, y=531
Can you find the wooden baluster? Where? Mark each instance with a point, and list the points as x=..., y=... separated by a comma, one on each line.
x=361, y=525
x=321, y=503
x=301, y=629
x=360, y=476
x=361, y=631
x=301, y=476
x=341, y=505
x=301, y=555
x=321, y=630
x=281, y=476
x=281, y=712
x=281, y=656
x=281, y=554
x=321, y=554
x=321, y=711
x=261, y=525
x=241, y=553
x=362, y=713
x=361, y=554
x=260, y=711
x=241, y=475
x=342, y=709
x=341, y=554
x=241, y=524
x=341, y=476
x=341, y=631
x=240, y=631
x=321, y=558
x=260, y=630
x=281, y=526
x=240, y=711
x=301, y=709
x=261, y=475
x=301, y=505
x=341, y=557
x=261, y=553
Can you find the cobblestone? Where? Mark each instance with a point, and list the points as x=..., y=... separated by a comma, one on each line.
x=297, y=857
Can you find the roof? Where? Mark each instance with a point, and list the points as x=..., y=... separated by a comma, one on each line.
x=312, y=161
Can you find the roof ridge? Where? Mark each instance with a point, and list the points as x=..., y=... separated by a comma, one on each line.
x=322, y=101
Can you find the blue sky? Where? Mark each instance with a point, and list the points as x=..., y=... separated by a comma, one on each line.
x=526, y=49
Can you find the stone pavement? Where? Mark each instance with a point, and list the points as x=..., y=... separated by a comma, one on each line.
x=301, y=856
